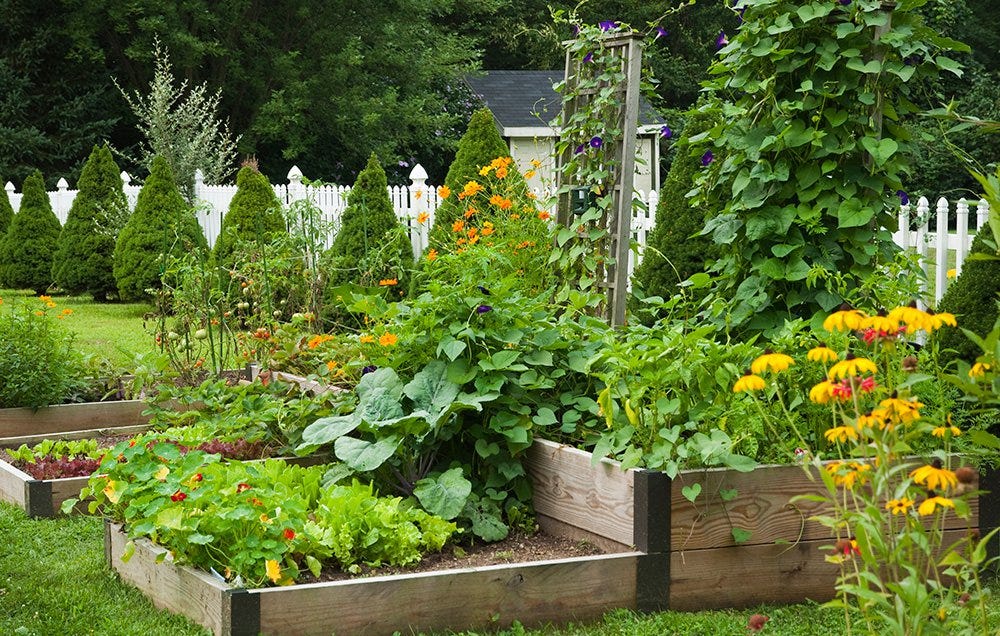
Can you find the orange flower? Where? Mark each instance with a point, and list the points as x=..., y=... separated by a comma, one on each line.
x=330, y=365
x=444, y=192
x=529, y=174
x=506, y=204
x=418, y=194
x=473, y=231
x=432, y=255
x=388, y=282
x=458, y=226
x=515, y=216
x=468, y=213
x=422, y=218
x=487, y=230
x=501, y=172
x=535, y=163
x=471, y=189
x=388, y=339
x=367, y=338
x=545, y=216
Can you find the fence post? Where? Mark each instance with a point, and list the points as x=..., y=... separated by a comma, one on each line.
x=9, y=193
x=923, y=209
x=941, y=266
x=61, y=207
x=982, y=213
x=419, y=200
x=904, y=227
x=962, y=231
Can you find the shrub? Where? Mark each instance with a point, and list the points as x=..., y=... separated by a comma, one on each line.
x=372, y=245
x=37, y=357
x=480, y=145
x=161, y=224
x=973, y=298
x=254, y=214
x=84, y=258
x=31, y=240
x=6, y=212
x=673, y=251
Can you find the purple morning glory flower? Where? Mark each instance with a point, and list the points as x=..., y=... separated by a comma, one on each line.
x=369, y=369
x=576, y=30
x=845, y=2
x=482, y=309
x=707, y=158
x=607, y=25
x=666, y=133
x=661, y=33
x=578, y=150
x=904, y=199
x=596, y=142
x=483, y=289
x=722, y=40
x=588, y=57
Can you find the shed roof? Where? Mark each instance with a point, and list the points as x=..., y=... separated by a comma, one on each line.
x=526, y=99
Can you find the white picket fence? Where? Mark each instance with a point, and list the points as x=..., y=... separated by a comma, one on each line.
x=409, y=202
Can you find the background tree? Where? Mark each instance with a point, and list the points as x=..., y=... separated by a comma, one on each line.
x=372, y=246
x=84, y=257
x=30, y=242
x=254, y=214
x=6, y=213
x=162, y=225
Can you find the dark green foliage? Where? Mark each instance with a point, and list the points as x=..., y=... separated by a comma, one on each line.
x=372, y=245
x=84, y=258
x=673, y=251
x=30, y=241
x=480, y=145
x=972, y=297
x=6, y=212
x=254, y=214
x=162, y=223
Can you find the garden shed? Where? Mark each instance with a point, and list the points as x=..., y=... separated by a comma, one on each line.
x=524, y=105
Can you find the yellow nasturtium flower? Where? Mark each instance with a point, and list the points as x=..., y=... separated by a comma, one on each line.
x=273, y=570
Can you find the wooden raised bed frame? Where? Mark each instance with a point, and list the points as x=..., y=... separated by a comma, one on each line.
x=705, y=568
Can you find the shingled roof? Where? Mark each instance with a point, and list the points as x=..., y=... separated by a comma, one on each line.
x=526, y=99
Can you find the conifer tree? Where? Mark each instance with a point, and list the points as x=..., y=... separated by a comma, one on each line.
x=162, y=225
x=6, y=213
x=372, y=245
x=84, y=258
x=31, y=239
x=972, y=297
x=254, y=214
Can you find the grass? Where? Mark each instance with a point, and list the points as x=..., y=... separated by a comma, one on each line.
x=113, y=331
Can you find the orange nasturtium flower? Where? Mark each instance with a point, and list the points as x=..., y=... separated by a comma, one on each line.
x=444, y=191
x=388, y=339
x=388, y=282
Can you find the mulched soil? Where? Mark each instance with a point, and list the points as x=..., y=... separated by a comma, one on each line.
x=516, y=548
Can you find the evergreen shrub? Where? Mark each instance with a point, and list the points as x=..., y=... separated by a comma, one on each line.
x=972, y=297
x=6, y=212
x=161, y=225
x=31, y=239
x=84, y=258
x=254, y=214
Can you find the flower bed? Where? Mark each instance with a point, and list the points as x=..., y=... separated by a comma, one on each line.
x=779, y=560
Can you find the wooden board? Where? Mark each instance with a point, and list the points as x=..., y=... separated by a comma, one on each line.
x=569, y=488
x=12, y=489
x=745, y=576
x=488, y=597
x=31, y=440
x=182, y=590
x=20, y=422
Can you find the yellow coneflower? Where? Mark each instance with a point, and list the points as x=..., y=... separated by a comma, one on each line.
x=943, y=319
x=870, y=419
x=899, y=410
x=773, y=362
x=748, y=382
x=847, y=474
x=852, y=366
x=841, y=434
x=979, y=370
x=822, y=392
x=846, y=319
x=899, y=506
x=942, y=431
x=914, y=318
x=934, y=478
x=822, y=353
x=931, y=503
x=880, y=322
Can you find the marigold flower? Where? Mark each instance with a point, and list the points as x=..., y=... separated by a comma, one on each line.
x=387, y=339
x=543, y=215
x=930, y=504
x=67, y=311
x=444, y=191
x=501, y=172
x=486, y=231
x=852, y=366
x=529, y=174
x=485, y=170
x=535, y=163
x=366, y=338
x=748, y=382
x=774, y=362
x=469, y=212
x=45, y=299
x=979, y=370
x=841, y=434
x=423, y=217
x=846, y=319
x=388, y=282
x=822, y=353
x=432, y=255
x=934, y=478
x=418, y=194
x=472, y=188
x=458, y=226
x=330, y=365
x=273, y=570
x=899, y=506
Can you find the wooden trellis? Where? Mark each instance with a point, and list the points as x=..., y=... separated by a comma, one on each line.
x=618, y=160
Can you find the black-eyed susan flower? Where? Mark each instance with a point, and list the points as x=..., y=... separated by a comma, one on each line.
x=852, y=366
x=979, y=370
x=899, y=410
x=841, y=434
x=822, y=392
x=870, y=420
x=943, y=431
x=914, y=318
x=942, y=319
x=880, y=323
x=899, y=506
x=847, y=474
x=929, y=505
x=822, y=353
x=770, y=361
x=845, y=319
x=748, y=382
x=934, y=478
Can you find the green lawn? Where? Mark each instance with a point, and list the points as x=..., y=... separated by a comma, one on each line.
x=113, y=331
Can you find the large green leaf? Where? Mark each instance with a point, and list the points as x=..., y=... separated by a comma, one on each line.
x=365, y=456
x=328, y=429
x=430, y=389
x=444, y=495
x=880, y=149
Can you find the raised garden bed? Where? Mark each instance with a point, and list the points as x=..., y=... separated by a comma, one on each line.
x=555, y=590
x=704, y=567
x=70, y=421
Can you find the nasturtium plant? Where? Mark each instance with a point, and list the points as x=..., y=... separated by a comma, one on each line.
x=813, y=149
